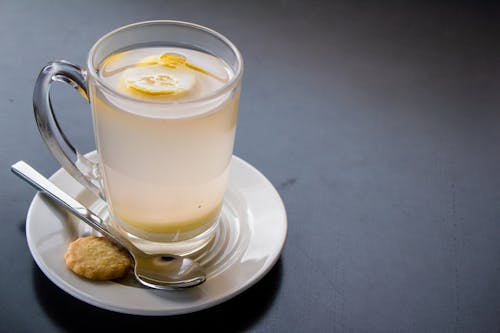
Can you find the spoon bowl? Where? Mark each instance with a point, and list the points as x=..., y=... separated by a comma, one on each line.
x=180, y=272
x=159, y=271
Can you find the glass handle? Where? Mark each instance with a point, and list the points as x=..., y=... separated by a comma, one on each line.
x=77, y=165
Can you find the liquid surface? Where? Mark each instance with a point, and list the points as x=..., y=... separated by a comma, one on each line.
x=164, y=74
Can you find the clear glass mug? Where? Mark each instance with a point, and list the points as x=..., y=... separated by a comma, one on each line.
x=162, y=174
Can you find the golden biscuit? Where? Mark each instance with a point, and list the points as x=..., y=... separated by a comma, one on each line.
x=97, y=258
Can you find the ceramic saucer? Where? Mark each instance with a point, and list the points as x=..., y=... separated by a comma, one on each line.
x=248, y=242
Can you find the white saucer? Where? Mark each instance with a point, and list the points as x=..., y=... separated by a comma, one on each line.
x=255, y=230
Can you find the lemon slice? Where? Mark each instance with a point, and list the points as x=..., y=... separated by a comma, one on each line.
x=158, y=79
x=172, y=60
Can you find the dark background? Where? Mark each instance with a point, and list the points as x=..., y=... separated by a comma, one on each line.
x=378, y=122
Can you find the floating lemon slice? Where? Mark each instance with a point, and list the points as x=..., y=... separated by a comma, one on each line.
x=159, y=80
x=174, y=60
x=166, y=74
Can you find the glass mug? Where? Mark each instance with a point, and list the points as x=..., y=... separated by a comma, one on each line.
x=162, y=165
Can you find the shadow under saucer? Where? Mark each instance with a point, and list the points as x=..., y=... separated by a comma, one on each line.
x=237, y=314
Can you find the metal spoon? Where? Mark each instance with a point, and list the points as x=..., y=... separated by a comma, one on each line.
x=159, y=271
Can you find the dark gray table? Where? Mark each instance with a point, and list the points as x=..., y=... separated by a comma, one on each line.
x=379, y=124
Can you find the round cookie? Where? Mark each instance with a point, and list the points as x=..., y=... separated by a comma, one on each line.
x=97, y=258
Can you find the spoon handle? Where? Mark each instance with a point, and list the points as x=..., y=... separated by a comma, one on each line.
x=30, y=175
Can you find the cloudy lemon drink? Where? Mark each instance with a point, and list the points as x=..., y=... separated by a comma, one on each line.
x=165, y=148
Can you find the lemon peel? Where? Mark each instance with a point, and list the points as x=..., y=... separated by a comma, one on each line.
x=172, y=60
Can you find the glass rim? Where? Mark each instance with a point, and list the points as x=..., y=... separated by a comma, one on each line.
x=232, y=83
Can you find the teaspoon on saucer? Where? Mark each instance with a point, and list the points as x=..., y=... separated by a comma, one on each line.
x=159, y=271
